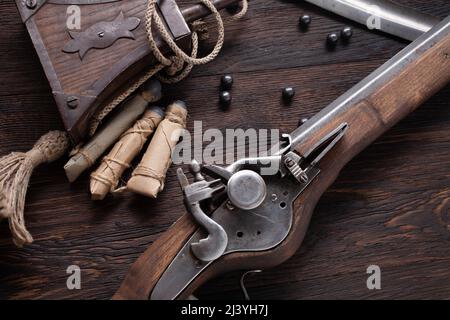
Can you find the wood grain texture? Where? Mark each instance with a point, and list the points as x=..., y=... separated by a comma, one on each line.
x=388, y=207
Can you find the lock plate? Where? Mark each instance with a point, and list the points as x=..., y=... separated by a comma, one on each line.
x=259, y=229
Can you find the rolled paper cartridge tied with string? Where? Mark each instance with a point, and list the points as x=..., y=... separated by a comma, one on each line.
x=106, y=178
x=149, y=176
x=86, y=156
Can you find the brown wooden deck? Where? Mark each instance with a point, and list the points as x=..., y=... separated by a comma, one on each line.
x=390, y=206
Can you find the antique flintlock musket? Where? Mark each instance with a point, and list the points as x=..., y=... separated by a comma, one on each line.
x=261, y=220
x=87, y=67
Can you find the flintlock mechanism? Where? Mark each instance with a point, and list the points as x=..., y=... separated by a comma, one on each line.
x=86, y=66
x=257, y=215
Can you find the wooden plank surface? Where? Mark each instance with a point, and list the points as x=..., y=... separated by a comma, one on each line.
x=390, y=206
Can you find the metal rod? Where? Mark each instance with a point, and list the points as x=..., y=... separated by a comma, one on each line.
x=199, y=11
x=383, y=15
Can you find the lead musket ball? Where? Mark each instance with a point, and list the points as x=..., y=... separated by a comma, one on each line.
x=288, y=94
x=346, y=33
x=332, y=40
x=304, y=21
x=226, y=82
x=225, y=99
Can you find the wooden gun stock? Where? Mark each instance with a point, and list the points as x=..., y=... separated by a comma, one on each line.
x=370, y=108
x=86, y=67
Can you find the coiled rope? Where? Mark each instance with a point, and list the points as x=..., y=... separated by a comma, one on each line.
x=179, y=65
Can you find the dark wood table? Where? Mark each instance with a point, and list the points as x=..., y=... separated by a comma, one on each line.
x=389, y=207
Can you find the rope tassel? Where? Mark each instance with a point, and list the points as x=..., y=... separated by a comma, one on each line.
x=15, y=172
